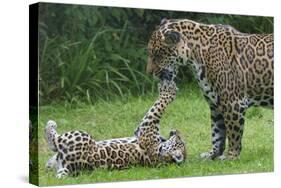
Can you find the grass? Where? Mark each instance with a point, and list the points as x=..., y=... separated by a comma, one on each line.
x=189, y=113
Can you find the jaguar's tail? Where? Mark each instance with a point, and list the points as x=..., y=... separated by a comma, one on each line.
x=51, y=134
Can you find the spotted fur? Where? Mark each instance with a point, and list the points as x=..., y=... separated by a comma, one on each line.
x=233, y=69
x=77, y=150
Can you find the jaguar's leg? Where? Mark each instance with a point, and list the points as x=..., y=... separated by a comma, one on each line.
x=234, y=122
x=218, y=135
x=51, y=163
x=62, y=171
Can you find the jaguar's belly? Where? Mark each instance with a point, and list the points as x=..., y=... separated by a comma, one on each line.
x=118, y=153
x=262, y=100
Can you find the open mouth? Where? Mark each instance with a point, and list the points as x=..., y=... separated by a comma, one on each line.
x=177, y=159
x=166, y=75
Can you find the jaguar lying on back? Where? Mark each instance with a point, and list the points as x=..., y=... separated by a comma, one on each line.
x=233, y=69
x=77, y=150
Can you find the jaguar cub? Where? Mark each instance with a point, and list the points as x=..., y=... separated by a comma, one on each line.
x=77, y=150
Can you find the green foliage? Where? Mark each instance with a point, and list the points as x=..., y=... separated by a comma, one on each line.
x=115, y=119
x=100, y=67
x=88, y=53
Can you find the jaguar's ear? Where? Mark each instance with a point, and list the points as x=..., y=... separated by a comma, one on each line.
x=172, y=37
x=163, y=21
x=174, y=132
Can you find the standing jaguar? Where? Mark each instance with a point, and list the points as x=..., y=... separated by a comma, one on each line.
x=233, y=69
x=77, y=150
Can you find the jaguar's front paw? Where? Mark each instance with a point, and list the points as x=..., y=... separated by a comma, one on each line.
x=60, y=176
x=205, y=155
x=62, y=173
x=211, y=155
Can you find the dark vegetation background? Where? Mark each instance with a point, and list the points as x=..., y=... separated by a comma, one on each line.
x=90, y=53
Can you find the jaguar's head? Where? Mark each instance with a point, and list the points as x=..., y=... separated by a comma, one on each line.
x=173, y=149
x=166, y=49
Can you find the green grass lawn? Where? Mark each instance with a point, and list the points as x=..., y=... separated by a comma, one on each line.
x=189, y=113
